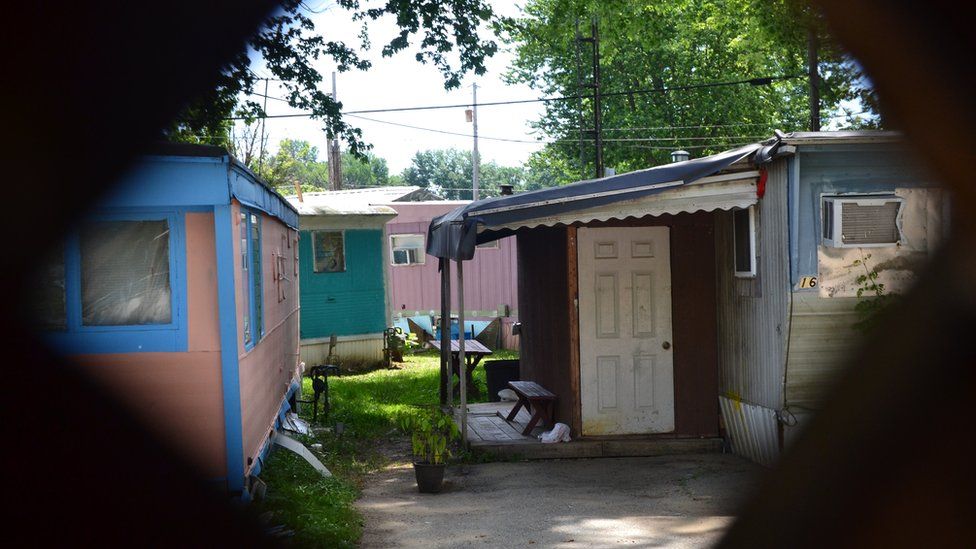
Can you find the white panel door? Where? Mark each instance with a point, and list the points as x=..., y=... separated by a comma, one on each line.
x=626, y=359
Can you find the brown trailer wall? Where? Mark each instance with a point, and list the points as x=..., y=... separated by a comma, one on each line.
x=548, y=342
x=544, y=313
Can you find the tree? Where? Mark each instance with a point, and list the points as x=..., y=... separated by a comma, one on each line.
x=247, y=145
x=370, y=171
x=295, y=162
x=288, y=44
x=655, y=45
x=450, y=172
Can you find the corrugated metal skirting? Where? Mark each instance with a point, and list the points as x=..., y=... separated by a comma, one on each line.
x=366, y=348
x=754, y=430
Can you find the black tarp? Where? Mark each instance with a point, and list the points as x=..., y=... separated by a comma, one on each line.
x=454, y=235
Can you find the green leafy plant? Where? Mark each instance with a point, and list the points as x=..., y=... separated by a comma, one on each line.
x=873, y=299
x=431, y=433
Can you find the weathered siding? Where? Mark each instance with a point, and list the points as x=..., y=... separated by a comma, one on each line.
x=490, y=277
x=544, y=296
x=753, y=312
x=179, y=394
x=365, y=347
x=347, y=303
x=822, y=331
x=267, y=369
x=822, y=335
x=843, y=169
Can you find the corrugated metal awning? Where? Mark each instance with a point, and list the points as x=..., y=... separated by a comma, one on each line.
x=723, y=192
x=670, y=188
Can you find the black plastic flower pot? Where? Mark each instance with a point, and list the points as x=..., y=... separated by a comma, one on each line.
x=430, y=477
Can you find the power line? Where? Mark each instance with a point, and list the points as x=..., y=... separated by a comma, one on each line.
x=433, y=130
x=552, y=141
x=760, y=81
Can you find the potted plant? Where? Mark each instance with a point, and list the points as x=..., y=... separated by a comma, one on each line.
x=431, y=434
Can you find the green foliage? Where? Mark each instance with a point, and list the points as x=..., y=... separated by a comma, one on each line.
x=295, y=162
x=290, y=46
x=370, y=406
x=873, y=299
x=651, y=44
x=318, y=509
x=431, y=432
x=368, y=171
x=451, y=172
x=548, y=168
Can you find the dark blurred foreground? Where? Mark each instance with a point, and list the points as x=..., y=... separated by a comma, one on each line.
x=888, y=462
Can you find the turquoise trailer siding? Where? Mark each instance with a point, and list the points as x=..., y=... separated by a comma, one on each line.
x=348, y=303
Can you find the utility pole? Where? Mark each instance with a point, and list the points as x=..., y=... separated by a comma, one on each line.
x=475, y=157
x=335, y=160
x=814, y=76
x=263, y=118
x=594, y=39
x=579, y=92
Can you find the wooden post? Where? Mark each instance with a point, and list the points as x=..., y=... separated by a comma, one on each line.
x=572, y=275
x=462, y=367
x=446, y=380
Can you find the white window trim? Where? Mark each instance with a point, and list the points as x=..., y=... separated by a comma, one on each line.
x=493, y=245
x=423, y=251
x=751, y=273
x=836, y=201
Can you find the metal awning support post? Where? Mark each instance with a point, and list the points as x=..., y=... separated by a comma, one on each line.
x=462, y=367
x=446, y=382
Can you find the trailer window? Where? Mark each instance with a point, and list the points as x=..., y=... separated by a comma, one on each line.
x=407, y=249
x=125, y=277
x=744, y=238
x=329, y=252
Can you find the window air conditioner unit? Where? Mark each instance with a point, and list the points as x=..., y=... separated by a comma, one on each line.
x=861, y=221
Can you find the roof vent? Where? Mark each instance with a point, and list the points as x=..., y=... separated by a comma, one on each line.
x=506, y=189
x=680, y=156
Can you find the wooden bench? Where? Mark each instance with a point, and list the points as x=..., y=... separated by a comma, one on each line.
x=536, y=399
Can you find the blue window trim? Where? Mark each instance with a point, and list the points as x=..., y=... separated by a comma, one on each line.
x=257, y=328
x=172, y=337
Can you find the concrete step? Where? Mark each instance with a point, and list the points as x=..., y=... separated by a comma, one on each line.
x=587, y=448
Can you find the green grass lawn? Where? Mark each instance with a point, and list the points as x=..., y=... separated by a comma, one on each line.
x=320, y=510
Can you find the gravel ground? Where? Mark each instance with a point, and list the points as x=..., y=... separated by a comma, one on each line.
x=669, y=501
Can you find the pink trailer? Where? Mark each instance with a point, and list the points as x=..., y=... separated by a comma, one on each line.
x=490, y=289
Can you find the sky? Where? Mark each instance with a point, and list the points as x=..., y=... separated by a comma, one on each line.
x=400, y=81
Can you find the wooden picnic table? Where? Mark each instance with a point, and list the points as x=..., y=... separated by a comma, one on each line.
x=473, y=353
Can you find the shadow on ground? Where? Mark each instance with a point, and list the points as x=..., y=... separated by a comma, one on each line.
x=672, y=501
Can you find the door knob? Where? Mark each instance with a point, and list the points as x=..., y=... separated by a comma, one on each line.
x=666, y=345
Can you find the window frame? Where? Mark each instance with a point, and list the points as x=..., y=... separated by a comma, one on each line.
x=493, y=245
x=78, y=338
x=753, y=263
x=342, y=236
x=837, y=201
x=423, y=249
x=255, y=279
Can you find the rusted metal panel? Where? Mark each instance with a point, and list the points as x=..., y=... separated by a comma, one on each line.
x=753, y=430
x=753, y=312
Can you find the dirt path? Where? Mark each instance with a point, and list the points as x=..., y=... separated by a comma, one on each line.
x=673, y=501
